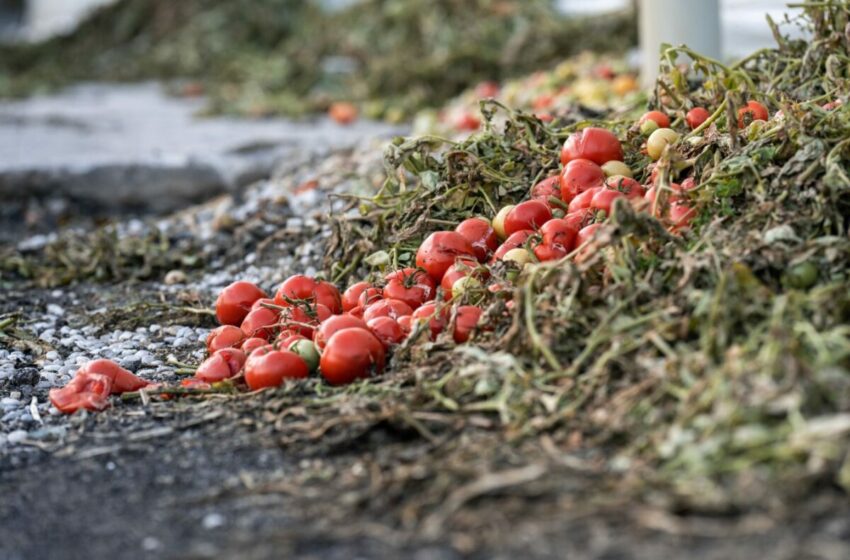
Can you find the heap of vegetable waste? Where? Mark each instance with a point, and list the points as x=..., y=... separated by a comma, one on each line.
x=671, y=287
x=260, y=57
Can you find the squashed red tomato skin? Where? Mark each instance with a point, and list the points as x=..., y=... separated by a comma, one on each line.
x=480, y=234
x=235, y=301
x=578, y=176
x=410, y=285
x=596, y=144
x=267, y=367
x=222, y=365
x=122, y=380
x=530, y=214
x=440, y=250
x=351, y=354
x=86, y=390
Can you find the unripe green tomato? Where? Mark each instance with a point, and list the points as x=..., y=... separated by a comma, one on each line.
x=612, y=168
x=802, y=276
x=499, y=221
x=464, y=285
x=307, y=350
x=519, y=256
x=659, y=140
x=648, y=126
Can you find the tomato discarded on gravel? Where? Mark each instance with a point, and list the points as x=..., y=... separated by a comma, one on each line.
x=300, y=289
x=307, y=351
x=235, y=301
x=89, y=391
x=392, y=308
x=595, y=144
x=333, y=325
x=351, y=354
x=260, y=323
x=578, y=176
x=225, y=336
x=696, y=117
x=410, y=285
x=481, y=235
x=351, y=296
x=222, y=365
x=303, y=319
x=440, y=250
x=251, y=344
x=122, y=380
x=388, y=331
x=530, y=214
x=559, y=233
x=267, y=367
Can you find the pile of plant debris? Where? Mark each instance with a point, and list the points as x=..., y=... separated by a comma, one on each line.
x=713, y=364
x=292, y=57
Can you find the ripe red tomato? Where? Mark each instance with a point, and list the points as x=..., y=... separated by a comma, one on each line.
x=546, y=252
x=302, y=319
x=328, y=295
x=515, y=241
x=530, y=214
x=351, y=354
x=262, y=303
x=435, y=316
x=235, y=301
x=286, y=338
x=222, y=365
x=583, y=200
x=343, y=112
x=586, y=234
x=122, y=379
x=596, y=144
x=465, y=321
x=357, y=312
x=387, y=330
x=467, y=121
x=404, y=322
x=392, y=308
x=225, y=336
x=661, y=210
x=481, y=235
x=487, y=89
x=662, y=120
x=578, y=176
x=461, y=269
x=560, y=233
x=440, y=250
x=626, y=185
x=267, y=367
x=334, y=324
x=680, y=214
x=370, y=296
x=579, y=218
x=296, y=289
x=86, y=390
x=604, y=198
x=251, y=344
x=550, y=186
x=260, y=323
x=351, y=296
x=410, y=285
x=753, y=111
x=696, y=117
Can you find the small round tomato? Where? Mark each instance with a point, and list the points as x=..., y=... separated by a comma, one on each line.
x=333, y=325
x=578, y=176
x=235, y=301
x=626, y=185
x=351, y=354
x=296, y=289
x=404, y=322
x=548, y=187
x=615, y=168
x=481, y=235
x=547, y=252
x=559, y=233
x=753, y=111
x=225, y=336
x=440, y=250
x=583, y=200
x=343, y=112
x=659, y=140
x=696, y=117
x=410, y=285
x=260, y=323
x=466, y=320
x=515, y=241
x=596, y=144
x=351, y=296
x=680, y=214
x=434, y=316
x=251, y=344
x=267, y=367
x=328, y=295
x=499, y=221
x=603, y=199
x=461, y=269
x=579, y=219
x=222, y=365
x=662, y=120
x=387, y=330
x=530, y=214
x=392, y=308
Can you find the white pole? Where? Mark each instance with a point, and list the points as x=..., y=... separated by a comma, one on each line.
x=695, y=23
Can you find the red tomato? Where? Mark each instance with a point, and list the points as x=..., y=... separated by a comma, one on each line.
x=550, y=186
x=86, y=390
x=434, y=316
x=251, y=344
x=303, y=319
x=225, y=336
x=234, y=302
x=351, y=296
x=262, y=303
x=753, y=111
x=487, y=89
x=404, y=323
x=260, y=323
x=296, y=289
x=465, y=321
x=696, y=117
x=626, y=185
x=387, y=330
x=480, y=234
x=440, y=250
x=370, y=296
x=546, y=252
x=604, y=198
x=343, y=112
x=392, y=308
x=515, y=241
x=267, y=367
x=596, y=144
x=334, y=324
x=680, y=214
x=530, y=214
x=122, y=380
x=559, y=233
x=357, y=312
x=410, y=285
x=657, y=209
x=351, y=354
x=467, y=121
x=328, y=295
x=284, y=341
x=586, y=234
x=195, y=383
x=461, y=269
x=222, y=365
x=662, y=120
x=583, y=200
x=578, y=176
x=579, y=218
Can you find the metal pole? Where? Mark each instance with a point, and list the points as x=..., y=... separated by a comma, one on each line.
x=695, y=23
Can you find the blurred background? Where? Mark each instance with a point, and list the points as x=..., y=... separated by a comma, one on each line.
x=111, y=107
